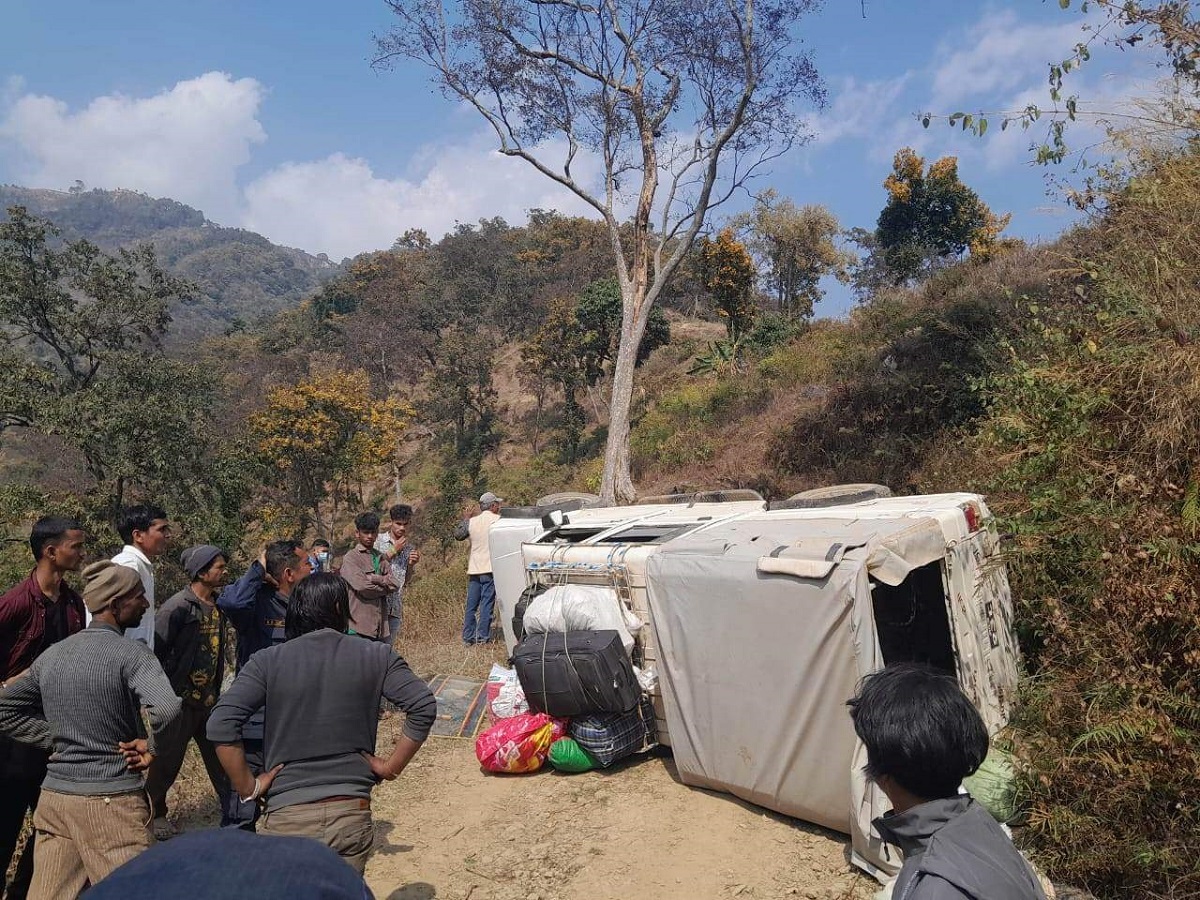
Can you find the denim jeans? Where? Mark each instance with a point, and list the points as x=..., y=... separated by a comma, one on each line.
x=481, y=597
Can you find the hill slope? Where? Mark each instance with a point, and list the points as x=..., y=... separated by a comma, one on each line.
x=242, y=275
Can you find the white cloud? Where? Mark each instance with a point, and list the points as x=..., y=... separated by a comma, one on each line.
x=997, y=56
x=191, y=141
x=996, y=65
x=186, y=142
x=857, y=109
x=339, y=206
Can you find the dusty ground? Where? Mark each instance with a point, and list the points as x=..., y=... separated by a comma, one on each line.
x=447, y=831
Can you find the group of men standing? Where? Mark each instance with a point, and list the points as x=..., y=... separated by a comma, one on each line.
x=289, y=746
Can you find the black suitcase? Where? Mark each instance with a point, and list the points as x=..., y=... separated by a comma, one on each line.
x=527, y=596
x=576, y=673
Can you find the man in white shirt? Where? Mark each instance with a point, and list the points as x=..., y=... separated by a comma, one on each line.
x=147, y=535
x=481, y=589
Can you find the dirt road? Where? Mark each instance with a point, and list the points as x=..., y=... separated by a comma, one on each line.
x=447, y=831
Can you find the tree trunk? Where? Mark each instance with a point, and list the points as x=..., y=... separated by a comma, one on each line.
x=616, y=485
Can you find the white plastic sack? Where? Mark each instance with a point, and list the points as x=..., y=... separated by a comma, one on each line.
x=506, y=698
x=578, y=607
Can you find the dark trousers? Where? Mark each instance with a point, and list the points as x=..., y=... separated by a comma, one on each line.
x=22, y=769
x=245, y=815
x=172, y=747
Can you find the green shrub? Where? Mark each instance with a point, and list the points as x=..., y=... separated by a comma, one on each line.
x=680, y=429
x=888, y=406
x=1093, y=438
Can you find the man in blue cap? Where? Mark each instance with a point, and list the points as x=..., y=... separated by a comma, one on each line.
x=214, y=865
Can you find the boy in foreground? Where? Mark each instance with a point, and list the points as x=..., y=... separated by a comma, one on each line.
x=923, y=737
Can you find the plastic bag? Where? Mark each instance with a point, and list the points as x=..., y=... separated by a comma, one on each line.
x=647, y=679
x=519, y=743
x=992, y=785
x=579, y=607
x=505, y=696
x=567, y=756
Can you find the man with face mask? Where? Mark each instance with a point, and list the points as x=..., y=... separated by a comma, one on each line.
x=320, y=556
x=83, y=699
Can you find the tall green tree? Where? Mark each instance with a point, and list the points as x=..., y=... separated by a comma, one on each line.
x=796, y=247
x=575, y=347
x=460, y=399
x=931, y=217
x=81, y=361
x=678, y=102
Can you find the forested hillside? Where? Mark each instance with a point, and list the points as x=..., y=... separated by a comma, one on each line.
x=241, y=276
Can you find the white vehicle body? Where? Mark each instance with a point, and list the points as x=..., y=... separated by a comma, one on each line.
x=761, y=622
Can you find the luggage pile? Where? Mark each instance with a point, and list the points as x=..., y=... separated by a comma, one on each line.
x=573, y=696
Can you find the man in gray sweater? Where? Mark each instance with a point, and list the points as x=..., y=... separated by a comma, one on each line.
x=321, y=691
x=83, y=699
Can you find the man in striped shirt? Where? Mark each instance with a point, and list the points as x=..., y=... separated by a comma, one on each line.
x=83, y=699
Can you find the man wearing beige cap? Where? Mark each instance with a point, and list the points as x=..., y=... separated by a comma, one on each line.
x=83, y=699
x=481, y=589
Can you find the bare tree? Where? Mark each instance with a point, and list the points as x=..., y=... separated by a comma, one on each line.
x=676, y=103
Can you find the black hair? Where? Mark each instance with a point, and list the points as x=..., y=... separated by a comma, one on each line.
x=50, y=530
x=401, y=512
x=138, y=518
x=319, y=601
x=367, y=521
x=281, y=555
x=321, y=542
x=919, y=728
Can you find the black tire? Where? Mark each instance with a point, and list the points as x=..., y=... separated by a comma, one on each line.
x=834, y=495
x=557, y=501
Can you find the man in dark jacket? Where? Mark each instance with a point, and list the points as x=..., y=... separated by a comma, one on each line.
x=39, y=612
x=189, y=641
x=923, y=737
x=256, y=605
x=322, y=692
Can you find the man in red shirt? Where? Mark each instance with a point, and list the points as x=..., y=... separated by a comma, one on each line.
x=38, y=612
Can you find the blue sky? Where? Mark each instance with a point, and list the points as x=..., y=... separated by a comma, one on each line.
x=267, y=114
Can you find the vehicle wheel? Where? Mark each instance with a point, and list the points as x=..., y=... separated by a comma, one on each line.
x=834, y=495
